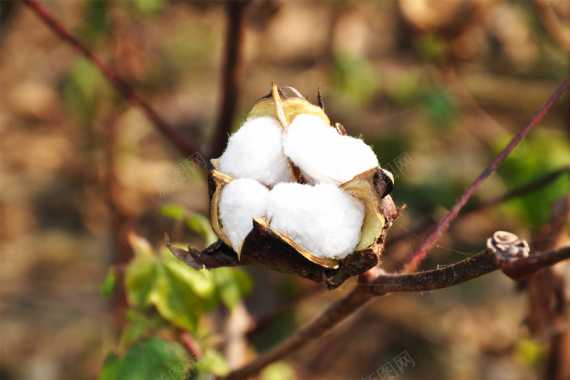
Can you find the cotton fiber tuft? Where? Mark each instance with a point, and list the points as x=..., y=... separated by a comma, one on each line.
x=322, y=154
x=322, y=219
x=256, y=151
x=241, y=201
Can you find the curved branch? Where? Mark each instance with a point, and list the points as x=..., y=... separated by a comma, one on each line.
x=522, y=268
x=184, y=146
x=421, y=252
x=482, y=263
x=371, y=286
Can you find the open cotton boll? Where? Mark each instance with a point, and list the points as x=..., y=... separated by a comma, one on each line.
x=240, y=202
x=255, y=151
x=322, y=154
x=322, y=219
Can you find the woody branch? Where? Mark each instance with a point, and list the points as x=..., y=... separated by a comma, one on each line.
x=380, y=284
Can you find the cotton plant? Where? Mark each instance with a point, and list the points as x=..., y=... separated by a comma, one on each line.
x=293, y=193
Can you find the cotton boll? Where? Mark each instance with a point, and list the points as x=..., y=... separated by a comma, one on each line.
x=322, y=154
x=255, y=151
x=322, y=219
x=240, y=202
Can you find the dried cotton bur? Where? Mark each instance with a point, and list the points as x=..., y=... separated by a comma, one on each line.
x=293, y=194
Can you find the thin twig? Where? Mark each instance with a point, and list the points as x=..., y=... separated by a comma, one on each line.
x=184, y=146
x=518, y=192
x=232, y=75
x=420, y=253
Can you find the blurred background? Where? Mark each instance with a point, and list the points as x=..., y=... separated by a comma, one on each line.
x=436, y=87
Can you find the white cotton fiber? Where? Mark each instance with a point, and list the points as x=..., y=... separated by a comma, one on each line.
x=240, y=202
x=255, y=151
x=322, y=154
x=322, y=219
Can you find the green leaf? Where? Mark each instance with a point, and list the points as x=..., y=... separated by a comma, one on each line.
x=212, y=362
x=151, y=359
x=172, y=211
x=108, y=286
x=140, y=279
x=202, y=282
x=175, y=299
x=136, y=328
x=140, y=245
x=232, y=285
x=111, y=368
x=178, y=292
x=201, y=225
x=278, y=371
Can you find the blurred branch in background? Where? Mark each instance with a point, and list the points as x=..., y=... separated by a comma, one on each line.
x=559, y=31
x=231, y=76
x=547, y=293
x=184, y=146
x=122, y=251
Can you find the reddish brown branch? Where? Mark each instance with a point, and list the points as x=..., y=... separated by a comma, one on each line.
x=518, y=192
x=475, y=266
x=232, y=75
x=420, y=253
x=521, y=269
x=184, y=146
x=191, y=345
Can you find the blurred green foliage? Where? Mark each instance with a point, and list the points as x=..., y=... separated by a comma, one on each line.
x=180, y=295
x=109, y=283
x=165, y=294
x=145, y=7
x=355, y=81
x=278, y=371
x=148, y=359
x=531, y=353
x=86, y=91
x=544, y=151
x=97, y=25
